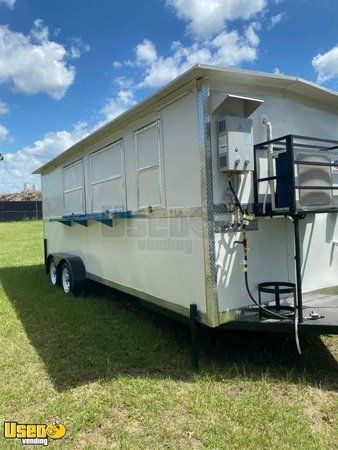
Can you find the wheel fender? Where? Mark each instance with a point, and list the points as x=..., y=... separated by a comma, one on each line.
x=75, y=263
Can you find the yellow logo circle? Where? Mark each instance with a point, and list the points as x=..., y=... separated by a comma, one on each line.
x=56, y=431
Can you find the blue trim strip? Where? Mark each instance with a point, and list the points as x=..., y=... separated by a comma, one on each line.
x=65, y=222
x=82, y=219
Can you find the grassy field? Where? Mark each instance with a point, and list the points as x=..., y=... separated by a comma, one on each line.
x=119, y=376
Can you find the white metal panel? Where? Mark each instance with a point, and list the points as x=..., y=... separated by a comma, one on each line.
x=73, y=202
x=181, y=153
x=107, y=163
x=147, y=255
x=267, y=261
x=73, y=176
x=148, y=146
x=108, y=195
x=148, y=195
x=107, y=178
x=150, y=183
x=52, y=194
x=73, y=188
x=319, y=254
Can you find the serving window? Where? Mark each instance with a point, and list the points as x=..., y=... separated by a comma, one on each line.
x=73, y=188
x=149, y=166
x=107, y=179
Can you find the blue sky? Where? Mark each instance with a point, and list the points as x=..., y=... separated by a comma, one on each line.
x=68, y=66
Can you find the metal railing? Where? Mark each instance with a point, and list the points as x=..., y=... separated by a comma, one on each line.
x=285, y=186
x=285, y=179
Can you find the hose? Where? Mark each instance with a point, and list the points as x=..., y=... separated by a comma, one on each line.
x=278, y=316
x=245, y=247
x=296, y=333
x=238, y=203
x=244, y=243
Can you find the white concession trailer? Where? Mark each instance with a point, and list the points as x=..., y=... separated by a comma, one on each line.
x=215, y=199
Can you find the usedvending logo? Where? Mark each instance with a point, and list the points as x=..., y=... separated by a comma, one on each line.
x=34, y=433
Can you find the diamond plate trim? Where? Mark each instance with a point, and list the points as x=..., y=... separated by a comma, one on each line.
x=224, y=226
x=222, y=208
x=169, y=213
x=204, y=130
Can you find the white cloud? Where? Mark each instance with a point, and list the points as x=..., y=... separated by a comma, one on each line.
x=225, y=49
x=3, y=133
x=33, y=64
x=274, y=20
x=9, y=3
x=251, y=35
x=231, y=49
x=116, y=106
x=39, y=32
x=3, y=108
x=208, y=17
x=78, y=47
x=326, y=65
x=146, y=52
x=116, y=65
x=277, y=71
x=124, y=83
x=17, y=167
x=221, y=47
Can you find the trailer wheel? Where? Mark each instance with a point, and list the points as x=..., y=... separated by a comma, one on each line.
x=53, y=272
x=67, y=280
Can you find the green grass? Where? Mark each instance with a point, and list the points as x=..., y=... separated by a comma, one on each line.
x=119, y=376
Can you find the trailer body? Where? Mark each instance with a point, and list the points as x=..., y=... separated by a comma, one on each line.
x=144, y=201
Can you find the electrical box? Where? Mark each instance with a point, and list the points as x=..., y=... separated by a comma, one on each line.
x=235, y=144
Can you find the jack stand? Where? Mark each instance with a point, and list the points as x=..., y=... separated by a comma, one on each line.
x=194, y=336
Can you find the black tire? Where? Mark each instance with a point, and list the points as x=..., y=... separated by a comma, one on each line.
x=67, y=280
x=53, y=272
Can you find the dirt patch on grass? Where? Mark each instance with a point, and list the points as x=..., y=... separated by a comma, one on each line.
x=321, y=408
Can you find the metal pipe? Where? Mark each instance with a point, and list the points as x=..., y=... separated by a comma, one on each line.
x=298, y=269
x=265, y=122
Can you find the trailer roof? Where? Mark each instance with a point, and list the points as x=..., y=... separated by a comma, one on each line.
x=289, y=83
